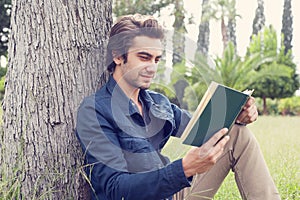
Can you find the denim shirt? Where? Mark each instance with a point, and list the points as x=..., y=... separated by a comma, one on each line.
x=122, y=148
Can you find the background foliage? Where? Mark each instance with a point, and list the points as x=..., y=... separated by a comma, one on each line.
x=5, y=6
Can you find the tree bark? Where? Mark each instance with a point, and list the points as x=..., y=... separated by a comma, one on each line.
x=56, y=56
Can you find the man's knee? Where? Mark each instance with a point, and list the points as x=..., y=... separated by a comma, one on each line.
x=241, y=137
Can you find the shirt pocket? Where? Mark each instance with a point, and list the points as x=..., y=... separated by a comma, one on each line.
x=140, y=155
x=135, y=145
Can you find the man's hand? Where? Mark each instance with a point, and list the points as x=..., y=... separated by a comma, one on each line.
x=201, y=159
x=249, y=113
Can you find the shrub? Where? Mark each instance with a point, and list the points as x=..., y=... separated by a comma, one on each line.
x=289, y=106
x=272, y=106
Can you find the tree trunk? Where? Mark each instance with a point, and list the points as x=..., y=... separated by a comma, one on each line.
x=179, y=33
x=56, y=57
x=287, y=26
x=204, y=31
x=224, y=33
x=265, y=110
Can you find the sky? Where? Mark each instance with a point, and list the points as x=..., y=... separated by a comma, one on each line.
x=273, y=10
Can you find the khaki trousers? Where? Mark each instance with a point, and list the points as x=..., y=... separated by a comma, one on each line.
x=243, y=156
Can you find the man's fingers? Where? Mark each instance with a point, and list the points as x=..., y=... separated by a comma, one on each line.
x=250, y=102
x=215, y=138
x=222, y=142
x=254, y=116
x=248, y=115
x=217, y=150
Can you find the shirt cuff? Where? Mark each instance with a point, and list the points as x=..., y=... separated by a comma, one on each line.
x=177, y=176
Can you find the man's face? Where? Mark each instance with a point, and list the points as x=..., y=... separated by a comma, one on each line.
x=142, y=60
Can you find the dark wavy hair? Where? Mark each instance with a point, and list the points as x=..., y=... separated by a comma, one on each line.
x=125, y=30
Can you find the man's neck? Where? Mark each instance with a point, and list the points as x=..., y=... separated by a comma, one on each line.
x=130, y=92
x=133, y=94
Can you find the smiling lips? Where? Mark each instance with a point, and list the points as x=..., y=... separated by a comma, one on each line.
x=147, y=76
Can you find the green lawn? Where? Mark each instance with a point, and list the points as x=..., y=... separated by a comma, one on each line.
x=279, y=138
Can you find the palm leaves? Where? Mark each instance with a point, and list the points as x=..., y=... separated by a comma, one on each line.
x=230, y=70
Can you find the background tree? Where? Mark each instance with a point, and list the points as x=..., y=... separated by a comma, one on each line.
x=224, y=11
x=179, y=32
x=231, y=26
x=287, y=26
x=179, y=48
x=56, y=54
x=259, y=19
x=204, y=31
x=273, y=87
x=5, y=6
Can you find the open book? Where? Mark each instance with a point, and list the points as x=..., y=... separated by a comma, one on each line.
x=219, y=108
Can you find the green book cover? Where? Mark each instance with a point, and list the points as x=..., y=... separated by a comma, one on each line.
x=218, y=108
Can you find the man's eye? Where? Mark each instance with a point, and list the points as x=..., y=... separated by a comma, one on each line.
x=144, y=58
x=157, y=60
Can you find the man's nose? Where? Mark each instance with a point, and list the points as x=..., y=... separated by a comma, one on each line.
x=152, y=67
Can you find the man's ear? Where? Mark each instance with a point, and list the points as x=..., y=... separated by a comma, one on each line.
x=117, y=58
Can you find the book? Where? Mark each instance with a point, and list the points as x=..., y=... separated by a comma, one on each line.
x=219, y=108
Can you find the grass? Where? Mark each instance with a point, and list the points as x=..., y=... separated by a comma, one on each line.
x=279, y=138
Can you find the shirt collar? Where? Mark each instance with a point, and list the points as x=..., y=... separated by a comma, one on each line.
x=119, y=98
x=127, y=106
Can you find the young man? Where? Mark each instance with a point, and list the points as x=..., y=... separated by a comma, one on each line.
x=123, y=127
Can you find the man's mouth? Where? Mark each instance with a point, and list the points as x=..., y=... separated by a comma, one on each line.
x=147, y=76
